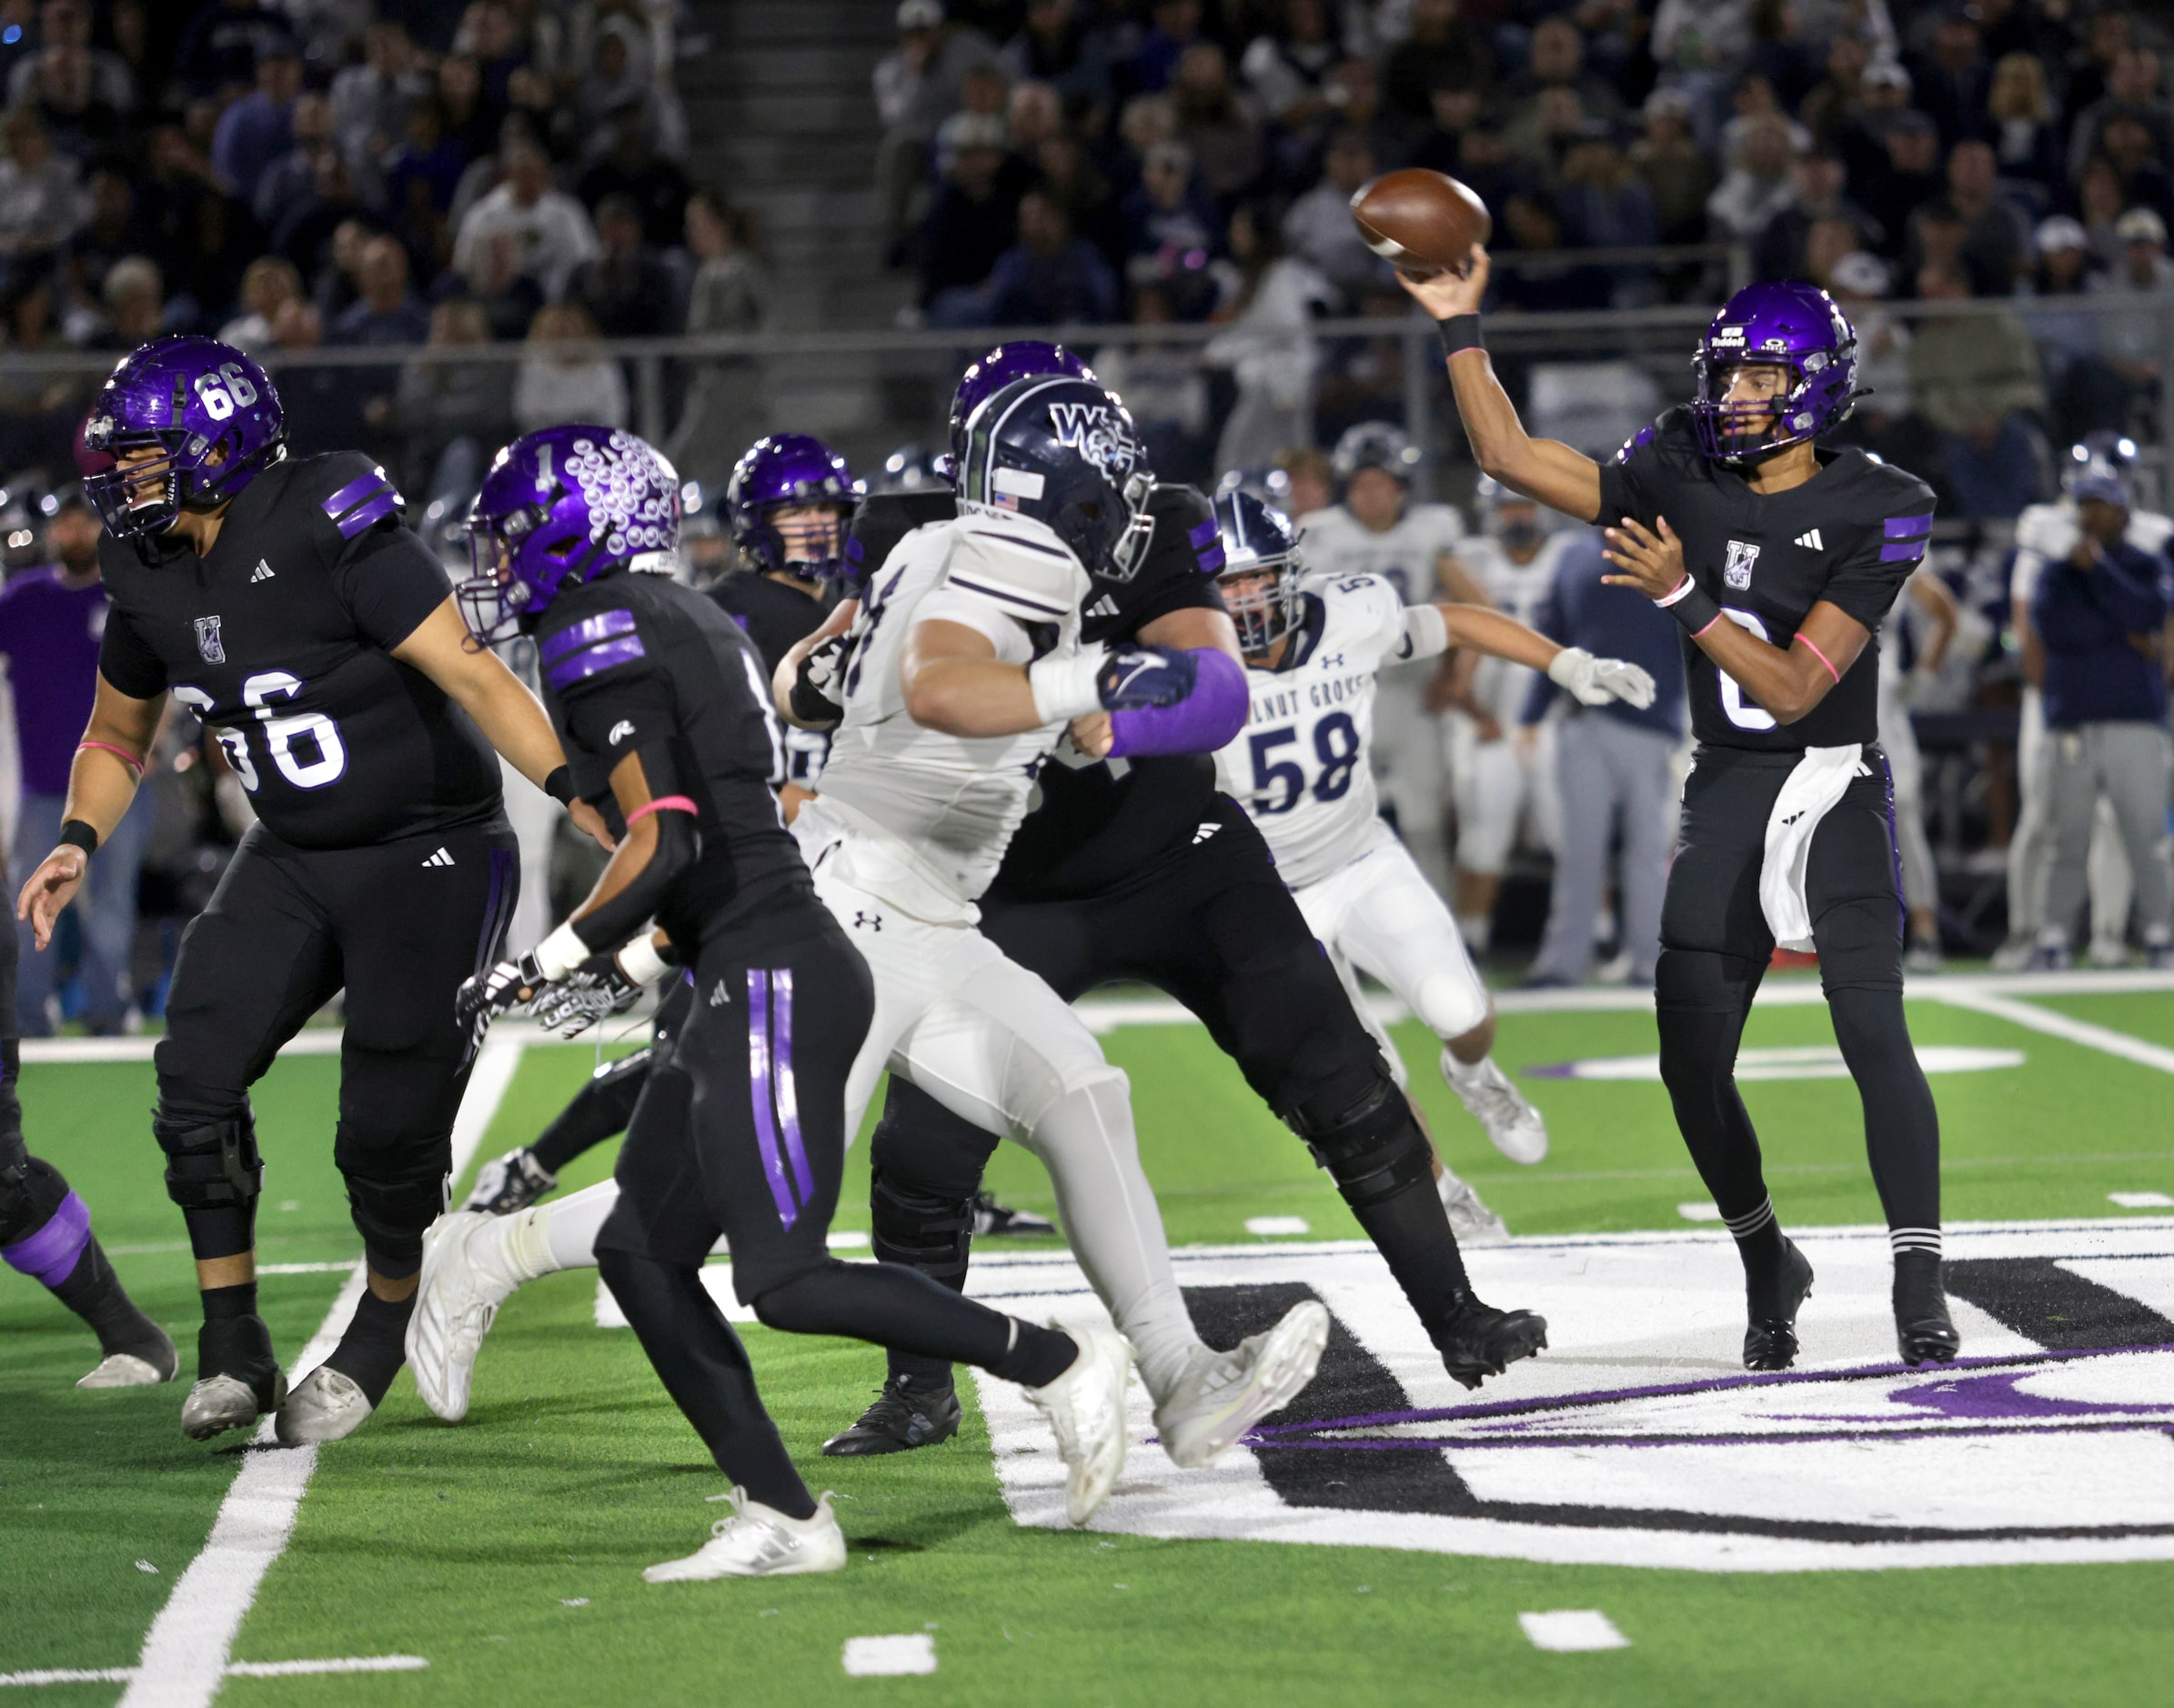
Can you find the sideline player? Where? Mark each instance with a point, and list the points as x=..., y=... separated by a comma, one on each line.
x=1905, y=763
x=1314, y=647
x=961, y=671
x=660, y=697
x=1374, y=528
x=1501, y=781
x=1780, y=559
x=282, y=601
x=1135, y=867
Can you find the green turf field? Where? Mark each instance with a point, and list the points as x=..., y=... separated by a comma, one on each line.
x=506, y=1553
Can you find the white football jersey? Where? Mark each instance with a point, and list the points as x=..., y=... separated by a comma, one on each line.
x=1335, y=542
x=2045, y=533
x=947, y=806
x=1519, y=589
x=1300, y=767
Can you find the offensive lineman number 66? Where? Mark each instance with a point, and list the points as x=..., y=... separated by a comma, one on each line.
x=280, y=734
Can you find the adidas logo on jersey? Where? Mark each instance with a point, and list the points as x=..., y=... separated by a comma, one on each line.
x=1104, y=607
x=439, y=858
x=263, y=572
x=1204, y=832
x=1813, y=540
x=720, y=996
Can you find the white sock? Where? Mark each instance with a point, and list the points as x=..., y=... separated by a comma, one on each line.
x=1466, y=1074
x=560, y=1235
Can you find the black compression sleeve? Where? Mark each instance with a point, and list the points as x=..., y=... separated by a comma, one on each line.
x=679, y=846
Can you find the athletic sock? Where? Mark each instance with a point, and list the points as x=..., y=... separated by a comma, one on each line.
x=370, y=1353
x=234, y=1339
x=1037, y=1356
x=1410, y=1230
x=1758, y=1238
x=93, y=1292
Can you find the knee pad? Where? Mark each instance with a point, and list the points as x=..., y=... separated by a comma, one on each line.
x=1450, y=1004
x=391, y=1213
x=926, y=1228
x=214, y=1166
x=1373, y=1149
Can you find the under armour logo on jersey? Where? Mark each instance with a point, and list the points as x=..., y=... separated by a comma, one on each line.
x=1813, y=540
x=1331, y=660
x=263, y=572
x=621, y=731
x=1737, y=571
x=867, y=921
x=209, y=642
x=1104, y=607
x=439, y=858
x=720, y=996
x=1204, y=832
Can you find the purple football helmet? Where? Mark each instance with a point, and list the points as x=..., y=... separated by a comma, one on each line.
x=206, y=412
x=560, y=506
x=1021, y=359
x=779, y=472
x=1787, y=325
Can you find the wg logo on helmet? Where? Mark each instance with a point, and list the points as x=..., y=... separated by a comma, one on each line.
x=1099, y=433
x=1737, y=571
x=209, y=642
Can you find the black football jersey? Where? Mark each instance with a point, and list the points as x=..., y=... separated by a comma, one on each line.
x=777, y=618
x=1096, y=822
x=1851, y=535
x=634, y=661
x=280, y=641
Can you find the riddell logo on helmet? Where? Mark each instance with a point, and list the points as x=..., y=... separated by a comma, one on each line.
x=1098, y=433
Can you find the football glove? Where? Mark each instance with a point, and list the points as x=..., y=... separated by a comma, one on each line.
x=819, y=685
x=499, y=990
x=593, y=991
x=1132, y=677
x=1596, y=681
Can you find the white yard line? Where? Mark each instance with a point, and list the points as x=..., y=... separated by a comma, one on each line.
x=240, y=1669
x=1980, y=1000
x=184, y=1657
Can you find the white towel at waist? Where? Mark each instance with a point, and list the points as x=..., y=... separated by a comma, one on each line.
x=1813, y=789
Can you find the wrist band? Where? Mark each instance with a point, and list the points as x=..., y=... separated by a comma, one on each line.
x=78, y=833
x=122, y=754
x=640, y=963
x=1696, y=609
x=560, y=785
x=663, y=803
x=1459, y=332
x=562, y=952
x=1063, y=686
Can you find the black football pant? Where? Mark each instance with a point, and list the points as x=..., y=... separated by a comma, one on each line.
x=743, y=1133
x=1213, y=925
x=398, y=925
x=1715, y=948
x=606, y=1104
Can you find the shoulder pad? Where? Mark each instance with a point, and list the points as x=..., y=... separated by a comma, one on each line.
x=353, y=493
x=589, y=646
x=1018, y=562
x=1444, y=517
x=2148, y=530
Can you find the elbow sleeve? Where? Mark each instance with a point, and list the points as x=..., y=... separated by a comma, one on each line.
x=679, y=846
x=1207, y=719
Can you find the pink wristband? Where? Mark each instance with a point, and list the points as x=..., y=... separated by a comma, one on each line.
x=1682, y=591
x=663, y=803
x=1821, y=657
x=122, y=754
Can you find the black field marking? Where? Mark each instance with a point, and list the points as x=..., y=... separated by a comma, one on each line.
x=1351, y=1380
x=2056, y=1307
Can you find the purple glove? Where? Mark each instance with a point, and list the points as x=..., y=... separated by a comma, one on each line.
x=1134, y=677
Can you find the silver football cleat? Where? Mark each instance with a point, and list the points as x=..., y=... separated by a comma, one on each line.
x=1471, y=1220
x=219, y=1403
x=324, y=1406
x=125, y=1370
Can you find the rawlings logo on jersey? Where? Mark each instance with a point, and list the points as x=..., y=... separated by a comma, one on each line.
x=1098, y=433
x=1737, y=571
x=209, y=642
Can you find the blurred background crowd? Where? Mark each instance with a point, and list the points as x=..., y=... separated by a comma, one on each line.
x=441, y=224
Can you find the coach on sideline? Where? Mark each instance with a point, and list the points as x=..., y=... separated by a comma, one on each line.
x=1609, y=759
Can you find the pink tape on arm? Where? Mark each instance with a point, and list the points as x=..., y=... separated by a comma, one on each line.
x=122, y=754
x=1823, y=658
x=1707, y=629
x=663, y=803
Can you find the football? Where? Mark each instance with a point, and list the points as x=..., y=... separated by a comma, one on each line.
x=1421, y=222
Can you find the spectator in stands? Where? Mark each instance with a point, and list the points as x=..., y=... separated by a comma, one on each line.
x=1701, y=46
x=1444, y=46
x=1217, y=122
x=2132, y=342
x=63, y=57
x=306, y=236
x=1781, y=250
x=1173, y=26
x=1760, y=184
x=135, y=297
x=256, y=130
x=452, y=414
x=288, y=180
x=269, y=285
x=1318, y=228
x=370, y=102
x=41, y=195
x=1068, y=172
x=2132, y=90
x=2131, y=144
x=1975, y=377
x=1532, y=224
x=1668, y=160
x=112, y=230
x=622, y=78
x=385, y=310
x=220, y=48
x=1054, y=46
x=558, y=381
x=1453, y=107
x=38, y=412
x=1169, y=214
x=2087, y=393
x=916, y=86
x=1995, y=245
x=1953, y=79
x=970, y=225
x=1268, y=348
x=2027, y=142
x=723, y=411
x=1355, y=92
x=551, y=229
x=1050, y=277
x=629, y=166
x=1557, y=61
x=1910, y=179
x=627, y=290
x=1286, y=67
x=1607, y=205
x=467, y=116
x=1831, y=106
x=51, y=620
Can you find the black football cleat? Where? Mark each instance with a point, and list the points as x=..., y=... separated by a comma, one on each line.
x=1924, y=1332
x=1477, y=1341
x=1770, y=1335
x=991, y=1217
x=902, y=1419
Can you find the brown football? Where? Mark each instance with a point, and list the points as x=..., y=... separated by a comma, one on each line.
x=1421, y=221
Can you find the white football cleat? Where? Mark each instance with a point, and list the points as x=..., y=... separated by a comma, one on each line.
x=126, y=1369
x=324, y=1406
x=1085, y=1408
x=469, y=1271
x=1512, y=1123
x=1472, y=1222
x=760, y=1541
x=1220, y=1395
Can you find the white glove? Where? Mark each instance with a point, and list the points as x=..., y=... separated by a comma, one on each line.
x=1596, y=681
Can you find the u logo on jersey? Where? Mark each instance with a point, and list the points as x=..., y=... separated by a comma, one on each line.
x=209, y=642
x=1737, y=571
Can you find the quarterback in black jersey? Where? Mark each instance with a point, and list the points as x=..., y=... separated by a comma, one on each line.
x=1136, y=868
x=1780, y=558
x=285, y=604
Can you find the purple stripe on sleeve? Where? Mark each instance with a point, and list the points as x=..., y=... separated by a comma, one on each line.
x=586, y=633
x=49, y=1255
x=760, y=1070
x=583, y=665
x=351, y=494
x=1207, y=719
x=788, y=1098
x=1210, y=561
x=1902, y=551
x=387, y=503
x=1908, y=527
x=1202, y=534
